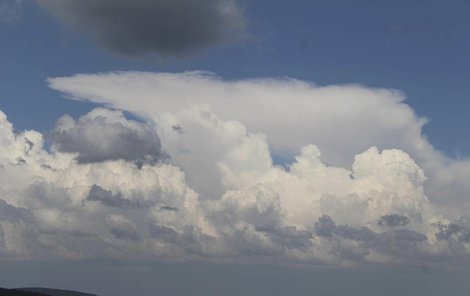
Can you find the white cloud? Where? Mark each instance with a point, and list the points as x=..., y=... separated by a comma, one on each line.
x=219, y=193
x=53, y=190
x=342, y=120
x=291, y=113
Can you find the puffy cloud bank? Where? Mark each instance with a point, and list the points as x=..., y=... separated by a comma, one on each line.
x=198, y=180
x=341, y=120
x=149, y=27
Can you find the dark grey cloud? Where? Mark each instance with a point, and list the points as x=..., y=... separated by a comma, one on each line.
x=145, y=27
x=121, y=228
x=193, y=241
x=162, y=232
x=29, y=146
x=325, y=226
x=288, y=236
x=408, y=235
x=2, y=240
x=177, y=128
x=123, y=232
x=107, y=198
x=11, y=213
x=168, y=208
x=103, y=135
x=47, y=167
x=357, y=234
x=399, y=243
x=458, y=230
x=20, y=160
x=393, y=220
x=190, y=238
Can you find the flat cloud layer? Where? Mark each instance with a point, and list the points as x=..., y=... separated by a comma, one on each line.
x=218, y=194
x=146, y=27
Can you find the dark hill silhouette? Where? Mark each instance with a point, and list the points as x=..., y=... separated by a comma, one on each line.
x=54, y=292
x=40, y=292
x=12, y=292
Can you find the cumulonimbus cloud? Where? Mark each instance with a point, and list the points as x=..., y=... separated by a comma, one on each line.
x=342, y=120
x=154, y=27
x=219, y=194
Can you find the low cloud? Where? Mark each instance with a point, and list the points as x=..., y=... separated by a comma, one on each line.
x=153, y=27
x=11, y=213
x=106, y=197
x=121, y=228
x=378, y=246
x=393, y=220
x=458, y=230
x=106, y=135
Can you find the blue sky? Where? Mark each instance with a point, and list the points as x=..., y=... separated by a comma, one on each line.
x=329, y=143
x=420, y=48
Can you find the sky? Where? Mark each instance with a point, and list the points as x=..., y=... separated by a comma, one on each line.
x=218, y=144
